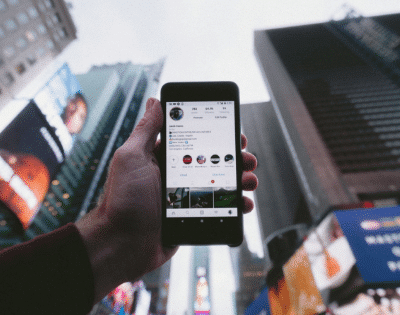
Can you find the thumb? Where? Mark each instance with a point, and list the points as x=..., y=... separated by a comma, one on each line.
x=146, y=131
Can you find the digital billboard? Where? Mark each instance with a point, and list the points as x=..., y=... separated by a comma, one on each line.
x=35, y=144
x=354, y=261
x=62, y=102
x=30, y=155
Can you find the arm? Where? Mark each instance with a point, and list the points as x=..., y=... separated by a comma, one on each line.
x=48, y=275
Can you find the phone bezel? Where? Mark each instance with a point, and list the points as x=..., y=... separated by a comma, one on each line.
x=193, y=231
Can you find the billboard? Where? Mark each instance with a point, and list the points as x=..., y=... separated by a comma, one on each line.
x=30, y=155
x=354, y=260
x=64, y=105
x=35, y=144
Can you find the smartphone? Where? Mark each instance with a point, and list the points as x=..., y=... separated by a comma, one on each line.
x=202, y=165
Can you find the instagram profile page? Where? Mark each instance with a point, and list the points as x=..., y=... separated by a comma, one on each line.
x=201, y=159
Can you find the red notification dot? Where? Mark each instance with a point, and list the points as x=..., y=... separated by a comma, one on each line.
x=212, y=181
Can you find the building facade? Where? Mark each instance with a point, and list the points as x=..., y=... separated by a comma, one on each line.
x=335, y=93
x=32, y=34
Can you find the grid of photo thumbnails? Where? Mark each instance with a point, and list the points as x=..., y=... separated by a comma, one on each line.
x=205, y=197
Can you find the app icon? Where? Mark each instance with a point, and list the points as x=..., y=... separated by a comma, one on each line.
x=187, y=159
x=229, y=158
x=201, y=159
x=215, y=159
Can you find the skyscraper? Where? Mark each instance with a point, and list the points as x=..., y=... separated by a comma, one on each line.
x=335, y=92
x=115, y=96
x=32, y=34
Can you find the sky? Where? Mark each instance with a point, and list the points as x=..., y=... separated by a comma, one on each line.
x=202, y=40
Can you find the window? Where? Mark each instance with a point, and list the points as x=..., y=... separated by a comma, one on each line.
x=13, y=2
x=56, y=18
x=40, y=52
x=3, y=6
x=63, y=32
x=41, y=29
x=21, y=43
x=10, y=25
x=2, y=35
x=8, y=79
x=31, y=59
x=49, y=4
x=20, y=68
x=9, y=51
x=50, y=44
x=31, y=35
x=48, y=21
x=56, y=37
x=33, y=13
x=42, y=7
x=22, y=18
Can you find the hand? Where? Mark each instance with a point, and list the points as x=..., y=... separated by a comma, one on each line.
x=123, y=234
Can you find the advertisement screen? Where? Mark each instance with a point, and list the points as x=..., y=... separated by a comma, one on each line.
x=63, y=105
x=201, y=161
x=305, y=298
x=354, y=258
x=30, y=155
x=35, y=144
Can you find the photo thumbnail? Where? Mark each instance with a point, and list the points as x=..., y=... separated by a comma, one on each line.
x=201, y=198
x=187, y=159
x=225, y=197
x=229, y=158
x=177, y=198
x=176, y=113
x=201, y=159
x=215, y=159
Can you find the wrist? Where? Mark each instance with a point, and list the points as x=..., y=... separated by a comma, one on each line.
x=103, y=248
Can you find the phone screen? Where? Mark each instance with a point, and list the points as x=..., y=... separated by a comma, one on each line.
x=201, y=178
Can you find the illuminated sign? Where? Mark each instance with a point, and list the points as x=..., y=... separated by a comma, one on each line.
x=30, y=155
x=376, y=250
x=63, y=105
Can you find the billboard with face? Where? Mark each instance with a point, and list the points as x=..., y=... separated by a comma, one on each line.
x=35, y=144
x=64, y=105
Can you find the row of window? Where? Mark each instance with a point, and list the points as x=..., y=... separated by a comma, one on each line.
x=8, y=78
x=9, y=51
x=22, y=18
x=43, y=5
x=11, y=3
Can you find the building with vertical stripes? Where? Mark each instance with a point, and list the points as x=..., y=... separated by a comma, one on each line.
x=335, y=93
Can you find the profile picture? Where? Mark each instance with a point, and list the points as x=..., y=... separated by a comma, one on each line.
x=176, y=113
x=229, y=158
x=187, y=159
x=201, y=159
x=215, y=159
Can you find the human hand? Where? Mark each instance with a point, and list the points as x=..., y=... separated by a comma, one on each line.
x=123, y=234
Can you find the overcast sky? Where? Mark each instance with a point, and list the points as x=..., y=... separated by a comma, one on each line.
x=201, y=39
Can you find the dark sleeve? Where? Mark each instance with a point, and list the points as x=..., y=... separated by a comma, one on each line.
x=50, y=274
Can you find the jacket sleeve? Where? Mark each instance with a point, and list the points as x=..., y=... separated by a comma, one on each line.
x=50, y=274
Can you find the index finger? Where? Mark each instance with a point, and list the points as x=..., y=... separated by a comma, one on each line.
x=243, y=141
